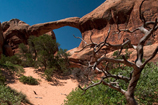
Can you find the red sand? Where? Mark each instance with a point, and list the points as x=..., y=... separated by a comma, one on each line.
x=48, y=93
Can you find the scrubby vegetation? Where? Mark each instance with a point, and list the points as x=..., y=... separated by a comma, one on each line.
x=11, y=64
x=146, y=90
x=2, y=78
x=28, y=80
x=9, y=96
x=41, y=52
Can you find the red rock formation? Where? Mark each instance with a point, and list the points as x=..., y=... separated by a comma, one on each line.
x=125, y=13
x=1, y=40
x=52, y=34
x=39, y=29
x=16, y=31
x=148, y=51
x=97, y=23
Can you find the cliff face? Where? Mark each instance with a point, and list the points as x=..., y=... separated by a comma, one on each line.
x=1, y=40
x=114, y=13
x=124, y=13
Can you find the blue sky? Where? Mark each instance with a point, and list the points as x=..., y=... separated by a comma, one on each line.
x=40, y=11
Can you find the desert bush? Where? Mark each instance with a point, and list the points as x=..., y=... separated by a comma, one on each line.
x=28, y=80
x=13, y=59
x=11, y=64
x=83, y=75
x=62, y=61
x=2, y=78
x=49, y=73
x=26, y=56
x=9, y=96
x=43, y=49
x=146, y=90
x=40, y=52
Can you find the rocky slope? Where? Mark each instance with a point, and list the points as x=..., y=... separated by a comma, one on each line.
x=124, y=13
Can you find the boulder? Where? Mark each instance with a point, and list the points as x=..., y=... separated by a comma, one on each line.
x=14, y=32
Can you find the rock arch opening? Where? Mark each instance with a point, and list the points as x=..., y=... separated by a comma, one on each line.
x=64, y=37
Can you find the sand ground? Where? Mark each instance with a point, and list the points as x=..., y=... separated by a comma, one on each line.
x=47, y=93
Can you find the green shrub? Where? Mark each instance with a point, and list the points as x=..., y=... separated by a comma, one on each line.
x=13, y=59
x=28, y=80
x=11, y=97
x=2, y=78
x=146, y=90
x=40, y=52
x=98, y=95
x=127, y=54
x=11, y=65
x=26, y=56
x=43, y=48
x=49, y=73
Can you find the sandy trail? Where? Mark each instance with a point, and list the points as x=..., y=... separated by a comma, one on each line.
x=47, y=93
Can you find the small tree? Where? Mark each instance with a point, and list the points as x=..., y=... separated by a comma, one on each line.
x=43, y=52
x=148, y=28
x=40, y=51
x=45, y=47
x=26, y=55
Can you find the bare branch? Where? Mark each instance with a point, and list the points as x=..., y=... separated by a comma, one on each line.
x=142, y=42
x=114, y=87
x=108, y=34
x=121, y=77
x=81, y=39
x=98, y=69
x=103, y=43
x=108, y=74
x=150, y=22
x=114, y=61
x=140, y=12
x=143, y=30
x=84, y=48
x=127, y=30
x=148, y=28
x=95, y=84
x=119, y=46
x=156, y=27
x=91, y=45
x=91, y=37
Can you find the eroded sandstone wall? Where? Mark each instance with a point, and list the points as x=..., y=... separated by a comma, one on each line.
x=122, y=13
x=114, y=13
x=1, y=41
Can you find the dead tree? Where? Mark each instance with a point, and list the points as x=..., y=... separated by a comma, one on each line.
x=148, y=28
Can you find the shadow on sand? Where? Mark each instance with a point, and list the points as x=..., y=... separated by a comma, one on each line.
x=55, y=80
